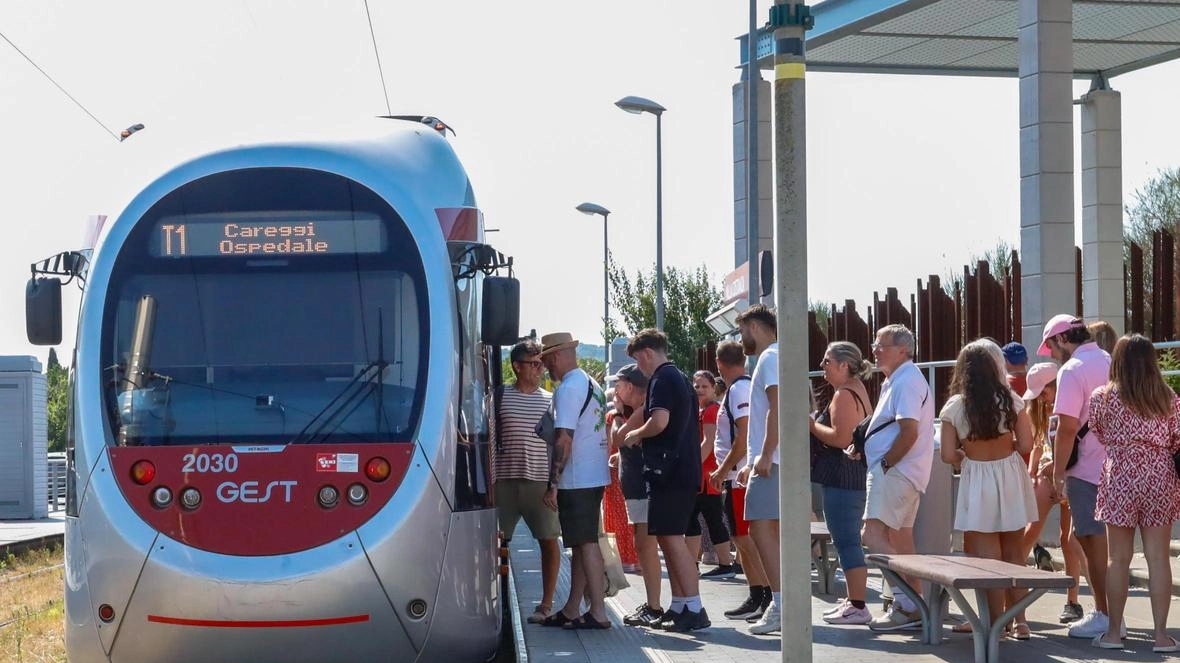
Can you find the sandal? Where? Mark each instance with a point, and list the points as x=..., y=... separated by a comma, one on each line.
x=1022, y=631
x=586, y=622
x=964, y=627
x=556, y=619
x=540, y=614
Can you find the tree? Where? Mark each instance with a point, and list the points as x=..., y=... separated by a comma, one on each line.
x=1156, y=206
x=822, y=311
x=57, y=380
x=689, y=297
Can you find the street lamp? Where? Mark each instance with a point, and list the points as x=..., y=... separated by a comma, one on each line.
x=641, y=105
x=591, y=208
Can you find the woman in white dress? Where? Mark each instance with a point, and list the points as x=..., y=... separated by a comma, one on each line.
x=984, y=430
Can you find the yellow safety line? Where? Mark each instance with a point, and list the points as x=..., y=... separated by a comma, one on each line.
x=789, y=70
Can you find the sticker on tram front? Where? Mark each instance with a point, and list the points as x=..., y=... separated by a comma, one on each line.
x=348, y=463
x=325, y=462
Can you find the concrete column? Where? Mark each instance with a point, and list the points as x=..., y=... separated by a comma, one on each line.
x=1046, y=164
x=765, y=170
x=1102, y=206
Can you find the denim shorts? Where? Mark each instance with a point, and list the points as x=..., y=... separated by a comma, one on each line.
x=1083, y=499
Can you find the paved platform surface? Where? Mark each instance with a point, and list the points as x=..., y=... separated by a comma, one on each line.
x=16, y=534
x=727, y=640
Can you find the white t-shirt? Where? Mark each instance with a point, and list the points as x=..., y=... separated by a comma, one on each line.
x=738, y=400
x=765, y=376
x=587, y=466
x=905, y=395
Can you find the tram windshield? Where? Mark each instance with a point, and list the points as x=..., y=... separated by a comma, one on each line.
x=283, y=306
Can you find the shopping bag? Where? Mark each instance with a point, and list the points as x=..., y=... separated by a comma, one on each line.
x=613, y=564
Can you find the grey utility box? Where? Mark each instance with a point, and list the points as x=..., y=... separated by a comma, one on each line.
x=24, y=439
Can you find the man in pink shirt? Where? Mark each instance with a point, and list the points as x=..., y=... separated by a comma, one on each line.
x=1085, y=367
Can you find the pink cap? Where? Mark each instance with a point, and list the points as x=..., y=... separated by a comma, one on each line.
x=1057, y=324
x=1038, y=376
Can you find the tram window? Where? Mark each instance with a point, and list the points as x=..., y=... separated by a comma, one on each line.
x=323, y=348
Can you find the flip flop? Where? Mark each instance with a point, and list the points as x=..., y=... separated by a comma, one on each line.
x=586, y=622
x=1102, y=644
x=1175, y=646
x=964, y=627
x=556, y=619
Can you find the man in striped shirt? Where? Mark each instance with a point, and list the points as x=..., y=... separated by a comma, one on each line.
x=520, y=464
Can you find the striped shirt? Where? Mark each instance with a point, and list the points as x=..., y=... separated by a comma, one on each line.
x=520, y=454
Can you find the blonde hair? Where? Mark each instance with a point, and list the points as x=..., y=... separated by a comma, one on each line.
x=1038, y=414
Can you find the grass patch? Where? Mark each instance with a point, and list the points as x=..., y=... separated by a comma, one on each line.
x=31, y=607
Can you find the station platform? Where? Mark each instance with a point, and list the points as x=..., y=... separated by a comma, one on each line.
x=18, y=535
x=727, y=641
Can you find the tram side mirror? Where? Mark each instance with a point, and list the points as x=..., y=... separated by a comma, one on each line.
x=43, y=311
x=501, y=311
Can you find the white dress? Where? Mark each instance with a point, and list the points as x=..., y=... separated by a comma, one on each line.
x=994, y=495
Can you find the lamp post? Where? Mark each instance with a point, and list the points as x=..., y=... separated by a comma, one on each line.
x=591, y=208
x=641, y=105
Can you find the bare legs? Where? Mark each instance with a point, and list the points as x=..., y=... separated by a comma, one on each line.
x=1095, y=549
x=1121, y=545
x=764, y=534
x=682, y=573
x=550, y=567
x=880, y=538
x=649, y=564
x=1071, y=550
x=587, y=580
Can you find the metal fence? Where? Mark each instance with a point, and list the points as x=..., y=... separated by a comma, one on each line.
x=56, y=481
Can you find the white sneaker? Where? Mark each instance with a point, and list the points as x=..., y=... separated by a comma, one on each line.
x=850, y=615
x=772, y=621
x=838, y=608
x=1093, y=624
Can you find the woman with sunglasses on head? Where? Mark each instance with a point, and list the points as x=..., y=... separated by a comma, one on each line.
x=1136, y=417
x=1038, y=402
x=985, y=429
x=709, y=500
x=843, y=479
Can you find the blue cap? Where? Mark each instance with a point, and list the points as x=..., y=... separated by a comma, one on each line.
x=1015, y=354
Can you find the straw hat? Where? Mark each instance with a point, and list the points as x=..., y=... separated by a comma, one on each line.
x=557, y=341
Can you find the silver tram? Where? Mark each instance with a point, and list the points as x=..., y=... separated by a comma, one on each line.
x=277, y=439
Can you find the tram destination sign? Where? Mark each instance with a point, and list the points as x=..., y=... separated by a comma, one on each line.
x=267, y=234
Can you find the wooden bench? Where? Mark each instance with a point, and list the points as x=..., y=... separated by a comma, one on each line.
x=825, y=563
x=954, y=573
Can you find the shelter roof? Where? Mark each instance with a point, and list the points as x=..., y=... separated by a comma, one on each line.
x=978, y=37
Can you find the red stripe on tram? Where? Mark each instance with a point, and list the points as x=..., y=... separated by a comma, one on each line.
x=293, y=623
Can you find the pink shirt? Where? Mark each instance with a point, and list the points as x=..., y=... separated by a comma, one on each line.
x=1088, y=369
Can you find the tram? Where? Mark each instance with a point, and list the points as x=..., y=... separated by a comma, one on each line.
x=277, y=436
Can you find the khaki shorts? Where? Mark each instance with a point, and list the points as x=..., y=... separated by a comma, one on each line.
x=892, y=499
x=517, y=498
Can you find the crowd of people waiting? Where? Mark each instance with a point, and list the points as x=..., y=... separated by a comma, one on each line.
x=1094, y=430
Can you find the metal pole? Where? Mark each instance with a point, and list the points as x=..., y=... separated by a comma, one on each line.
x=605, y=294
x=788, y=18
x=753, y=77
x=659, y=228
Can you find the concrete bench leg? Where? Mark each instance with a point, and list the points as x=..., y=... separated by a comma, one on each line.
x=825, y=568
x=979, y=632
x=993, y=644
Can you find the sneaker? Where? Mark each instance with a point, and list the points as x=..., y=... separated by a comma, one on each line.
x=850, y=615
x=720, y=573
x=896, y=619
x=1093, y=624
x=664, y=621
x=644, y=615
x=737, y=568
x=1070, y=613
x=838, y=608
x=687, y=620
x=772, y=621
x=1044, y=561
x=762, y=607
x=752, y=605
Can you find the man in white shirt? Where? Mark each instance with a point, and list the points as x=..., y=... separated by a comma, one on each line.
x=759, y=329
x=899, y=450
x=578, y=475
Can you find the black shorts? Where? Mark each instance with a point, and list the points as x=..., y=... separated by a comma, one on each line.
x=577, y=510
x=710, y=507
x=668, y=511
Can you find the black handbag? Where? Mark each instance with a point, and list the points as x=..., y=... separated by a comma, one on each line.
x=1077, y=442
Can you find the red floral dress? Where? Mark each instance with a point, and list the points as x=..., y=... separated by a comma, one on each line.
x=614, y=515
x=1139, y=486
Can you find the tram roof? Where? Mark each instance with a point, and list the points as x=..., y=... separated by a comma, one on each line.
x=977, y=37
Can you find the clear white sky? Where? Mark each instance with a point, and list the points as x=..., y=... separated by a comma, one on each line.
x=907, y=175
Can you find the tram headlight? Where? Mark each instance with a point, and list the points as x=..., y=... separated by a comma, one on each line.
x=357, y=494
x=142, y=472
x=377, y=469
x=328, y=496
x=190, y=498
x=161, y=497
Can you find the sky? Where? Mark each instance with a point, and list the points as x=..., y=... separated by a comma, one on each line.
x=907, y=176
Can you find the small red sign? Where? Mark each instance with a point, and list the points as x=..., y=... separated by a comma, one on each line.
x=325, y=462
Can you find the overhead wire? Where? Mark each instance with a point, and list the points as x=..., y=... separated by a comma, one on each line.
x=58, y=86
x=377, y=54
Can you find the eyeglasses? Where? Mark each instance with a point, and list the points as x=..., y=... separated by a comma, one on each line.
x=535, y=363
x=882, y=346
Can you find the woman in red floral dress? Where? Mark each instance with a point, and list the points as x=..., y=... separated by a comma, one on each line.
x=614, y=508
x=1137, y=418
